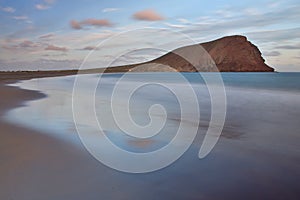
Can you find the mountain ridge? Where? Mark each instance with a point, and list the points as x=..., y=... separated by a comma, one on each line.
x=228, y=54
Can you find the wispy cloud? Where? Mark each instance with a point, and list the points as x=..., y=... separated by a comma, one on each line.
x=50, y=1
x=279, y=35
x=245, y=20
x=175, y=25
x=89, y=48
x=183, y=20
x=148, y=15
x=105, y=10
x=55, y=48
x=21, y=17
x=46, y=36
x=22, y=32
x=90, y=22
x=46, y=4
x=26, y=45
x=288, y=47
x=271, y=53
x=8, y=9
x=251, y=11
x=55, y=55
x=42, y=6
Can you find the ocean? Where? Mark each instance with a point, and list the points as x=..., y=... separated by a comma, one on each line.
x=257, y=114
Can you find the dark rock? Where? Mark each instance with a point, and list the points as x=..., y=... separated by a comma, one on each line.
x=230, y=54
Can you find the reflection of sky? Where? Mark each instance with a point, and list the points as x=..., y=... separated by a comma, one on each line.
x=58, y=33
x=260, y=140
x=54, y=114
x=268, y=124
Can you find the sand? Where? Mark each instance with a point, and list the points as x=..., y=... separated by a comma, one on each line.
x=36, y=166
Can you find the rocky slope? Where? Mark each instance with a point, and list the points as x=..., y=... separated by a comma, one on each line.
x=228, y=54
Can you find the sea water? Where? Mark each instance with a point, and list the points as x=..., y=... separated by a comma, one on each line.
x=258, y=149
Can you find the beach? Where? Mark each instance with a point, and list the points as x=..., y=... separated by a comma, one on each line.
x=257, y=157
x=36, y=166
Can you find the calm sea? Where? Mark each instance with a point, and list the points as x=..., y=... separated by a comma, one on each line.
x=258, y=149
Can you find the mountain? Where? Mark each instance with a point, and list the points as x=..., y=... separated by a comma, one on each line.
x=229, y=54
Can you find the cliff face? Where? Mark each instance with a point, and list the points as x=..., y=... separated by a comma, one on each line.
x=230, y=54
x=236, y=53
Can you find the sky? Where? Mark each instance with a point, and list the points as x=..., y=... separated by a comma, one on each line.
x=60, y=34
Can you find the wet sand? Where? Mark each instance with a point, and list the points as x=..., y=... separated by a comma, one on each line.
x=37, y=166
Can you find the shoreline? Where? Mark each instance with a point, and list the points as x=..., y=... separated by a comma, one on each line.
x=14, y=76
x=30, y=157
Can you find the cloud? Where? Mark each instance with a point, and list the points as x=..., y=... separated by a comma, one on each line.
x=7, y=47
x=50, y=1
x=55, y=48
x=280, y=35
x=272, y=53
x=45, y=5
x=183, y=20
x=175, y=25
x=27, y=44
x=8, y=9
x=89, y=48
x=23, y=45
x=90, y=22
x=46, y=36
x=22, y=32
x=251, y=11
x=105, y=10
x=21, y=17
x=243, y=21
x=75, y=24
x=55, y=55
x=288, y=47
x=148, y=15
x=96, y=22
x=41, y=6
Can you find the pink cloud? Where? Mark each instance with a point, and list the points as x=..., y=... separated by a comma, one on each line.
x=55, y=48
x=49, y=35
x=90, y=22
x=75, y=24
x=27, y=44
x=7, y=47
x=148, y=15
x=96, y=22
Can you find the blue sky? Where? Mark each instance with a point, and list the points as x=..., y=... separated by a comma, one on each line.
x=57, y=34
